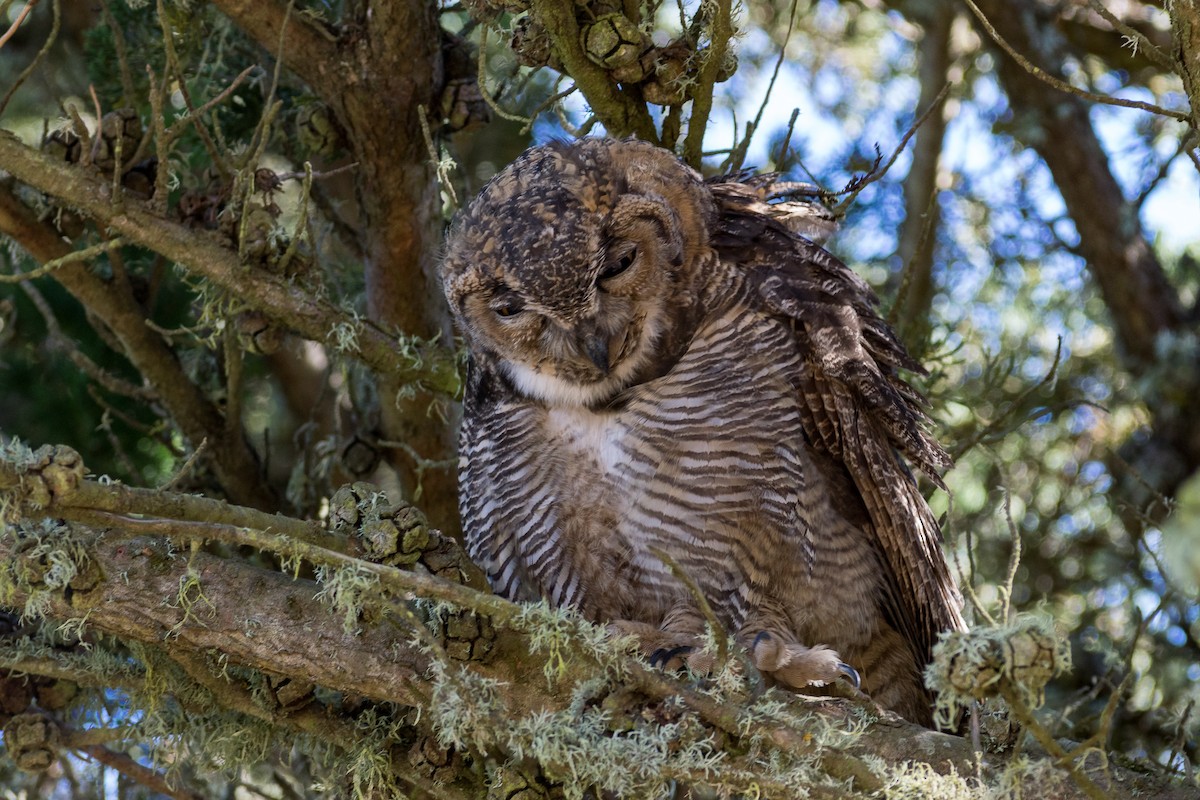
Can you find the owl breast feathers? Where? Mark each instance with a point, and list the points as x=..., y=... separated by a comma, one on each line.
x=664, y=365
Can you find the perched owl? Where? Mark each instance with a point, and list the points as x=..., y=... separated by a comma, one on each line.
x=661, y=364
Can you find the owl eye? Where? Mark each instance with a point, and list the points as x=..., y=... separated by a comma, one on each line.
x=619, y=266
x=508, y=307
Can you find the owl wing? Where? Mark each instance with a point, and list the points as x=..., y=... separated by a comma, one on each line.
x=855, y=406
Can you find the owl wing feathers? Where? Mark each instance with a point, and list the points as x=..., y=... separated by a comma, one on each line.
x=855, y=405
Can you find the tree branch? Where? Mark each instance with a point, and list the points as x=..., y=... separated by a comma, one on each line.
x=234, y=461
x=204, y=254
x=309, y=51
x=617, y=111
x=922, y=213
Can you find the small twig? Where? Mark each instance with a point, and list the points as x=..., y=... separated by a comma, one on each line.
x=786, y=144
x=94, y=150
x=301, y=220
x=967, y=578
x=1025, y=716
x=1014, y=561
x=1185, y=145
x=105, y=425
x=1140, y=42
x=1181, y=737
x=70, y=258
x=547, y=103
x=50, y=39
x=421, y=465
x=193, y=116
x=481, y=79
x=195, y=331
x=159, y=200
x=909, y=268
x=12, y=29
x=740, y=150
x=122, y=53
x=81, y=130
x=309, y=173
x=218, y=159
x=441, y=166
x=1062, y=85
x=59, y=340
x=1100, y=739
x=137, y=773
x=876, y=173
x=186, y=468
x=234, y=372
x=995, y=424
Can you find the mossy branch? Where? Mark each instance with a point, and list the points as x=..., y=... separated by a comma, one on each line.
x=620, y=113
x=720, y=32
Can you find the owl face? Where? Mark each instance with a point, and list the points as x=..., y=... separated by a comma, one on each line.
x=567, y=270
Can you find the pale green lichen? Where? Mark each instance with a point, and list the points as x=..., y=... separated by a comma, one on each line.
x=190, y=598
x=972, y=665
x=465, y=709
x=916, y=780
x=562, y=634
x=344, y=335
x=48, y=556
x=347, y=590
x=369, y=763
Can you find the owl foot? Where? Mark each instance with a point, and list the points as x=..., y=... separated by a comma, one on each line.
x=798, y=666
x=666, y=650
x=662, y=657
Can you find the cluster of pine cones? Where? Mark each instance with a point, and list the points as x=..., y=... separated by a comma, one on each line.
x=612, y=40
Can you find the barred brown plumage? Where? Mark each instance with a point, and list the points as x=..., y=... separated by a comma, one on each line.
x=660, y=362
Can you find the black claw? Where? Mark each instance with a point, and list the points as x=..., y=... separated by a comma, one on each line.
x=662, y=656
x=762, y=635
x=851, y=674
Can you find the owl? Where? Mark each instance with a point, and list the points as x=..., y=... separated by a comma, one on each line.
x=668, y=379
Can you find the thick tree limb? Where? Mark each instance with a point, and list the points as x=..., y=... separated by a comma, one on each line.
x=234, y=613
x=309, y=51
x=1185, y=25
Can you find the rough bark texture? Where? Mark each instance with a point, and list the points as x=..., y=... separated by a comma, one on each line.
x=1185, y=25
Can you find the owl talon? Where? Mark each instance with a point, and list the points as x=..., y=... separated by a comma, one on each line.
x=851, y=674
x=663, y=656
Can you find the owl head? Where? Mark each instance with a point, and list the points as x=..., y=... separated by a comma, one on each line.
x=575, y=265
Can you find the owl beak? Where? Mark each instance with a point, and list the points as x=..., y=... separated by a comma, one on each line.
x=595, y=345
